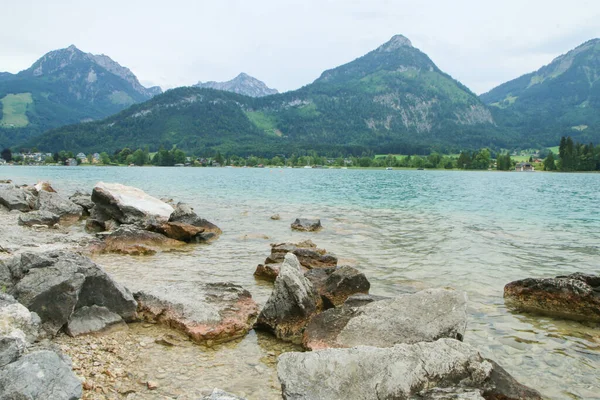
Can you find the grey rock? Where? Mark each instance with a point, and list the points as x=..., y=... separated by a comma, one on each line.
x=15, y=198
x=208, y=313
x=92, y=319
x=39, y=375
x=291, y=304
x=39, y=217
x=55, y=284
x=405, y=371
x=218, y=394
x=425, y=316
x=11, y=348
x=16, y=320
x=305, y=224
x=342, y=283
x=53, y=202
x=84, y=200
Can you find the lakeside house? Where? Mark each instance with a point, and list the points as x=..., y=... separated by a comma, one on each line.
x=71, y=162
x=524, y=167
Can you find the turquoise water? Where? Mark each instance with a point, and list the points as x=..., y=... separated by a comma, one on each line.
x=407, y=230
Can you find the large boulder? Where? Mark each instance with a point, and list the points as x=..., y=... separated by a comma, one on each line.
x=56, y=284
x=425, y=316
x=68, y=211
x=15, y=198
x=185, y=214
x=39, y=375
x=128, y=205
x=131, y=240
x=208, y=313
x=575, y=296
x=292, y=303
x=307, y=225
x=39, y=217
x=445, y=369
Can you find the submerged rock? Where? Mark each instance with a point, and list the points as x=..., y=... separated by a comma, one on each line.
x=218, y=394
x=443, y=369
x=131, y=240
x=575, y=296
x=32, y=218
x=39, y=375
x=128, y=205
x=425, y=316
x=178, y=231
x=92, y=319
x=307, y=225
x=208, y=313
x=291, y=304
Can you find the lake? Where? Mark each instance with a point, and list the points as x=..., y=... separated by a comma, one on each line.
x=406, y=230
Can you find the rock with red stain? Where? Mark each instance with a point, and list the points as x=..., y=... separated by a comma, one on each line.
x=178, y=231
x=209, y=313
x=575, y=296
x=309, y=256
x=131, y=240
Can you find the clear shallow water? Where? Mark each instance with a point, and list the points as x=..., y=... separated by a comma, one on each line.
x=407, y=230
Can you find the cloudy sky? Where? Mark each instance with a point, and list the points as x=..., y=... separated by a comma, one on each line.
x=288, y=44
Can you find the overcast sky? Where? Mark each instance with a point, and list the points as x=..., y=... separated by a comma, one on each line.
x=287, y=44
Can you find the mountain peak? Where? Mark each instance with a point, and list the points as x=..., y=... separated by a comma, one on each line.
x=395, y=43
x=72, y=48
x=242, y=84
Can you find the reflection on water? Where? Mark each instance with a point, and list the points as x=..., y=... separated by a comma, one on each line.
x=407, y=230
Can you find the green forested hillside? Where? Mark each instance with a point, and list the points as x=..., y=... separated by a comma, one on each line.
x=65, y=86
x=560, y=99
x=392, y=100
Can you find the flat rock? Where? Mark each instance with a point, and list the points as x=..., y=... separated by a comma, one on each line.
x=178, y=231
x=208, y=313
x=131, y=240
x=39, y=217
x=307, y=225
x=425, y=316
x=293, y=302
x=68, y=211
x=129, y=205
x=39, y=375
x=405, y=371
x=575, y=296
x=92, y=319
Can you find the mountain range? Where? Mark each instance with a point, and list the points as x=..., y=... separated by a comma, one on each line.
x=242, y=84
x=392, y=100
x=65, y=86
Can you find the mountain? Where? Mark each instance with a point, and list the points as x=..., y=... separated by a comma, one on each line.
x=65, y=86
x=560, y=99
x=242, y=84
x=392, y=100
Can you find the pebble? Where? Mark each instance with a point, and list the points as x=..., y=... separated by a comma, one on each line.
x=152, y=385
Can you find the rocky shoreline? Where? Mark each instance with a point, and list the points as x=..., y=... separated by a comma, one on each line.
x=316, y=303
